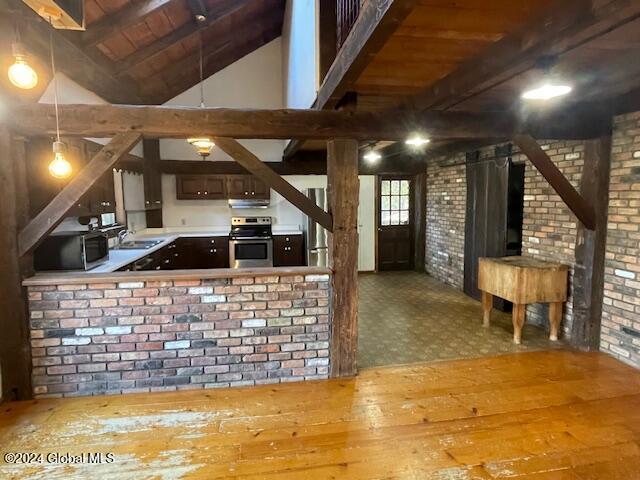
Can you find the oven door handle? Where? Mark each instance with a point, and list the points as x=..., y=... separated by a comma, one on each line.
x=240, y=239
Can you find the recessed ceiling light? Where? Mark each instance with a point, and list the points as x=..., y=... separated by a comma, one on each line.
x=546, y=92
x=372, y=156
x=417, y=141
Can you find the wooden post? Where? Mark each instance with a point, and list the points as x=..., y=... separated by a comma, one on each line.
x=15, y=358
x=343, y=190
x=588, y=279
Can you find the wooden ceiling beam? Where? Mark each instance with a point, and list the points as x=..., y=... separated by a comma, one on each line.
x=377, y=21
x=129, y=15
x=559, y=30
x=215, y=15
x=183, y=122
x=85, y=69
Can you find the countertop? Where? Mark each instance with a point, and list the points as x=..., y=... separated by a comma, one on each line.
x=121, y=258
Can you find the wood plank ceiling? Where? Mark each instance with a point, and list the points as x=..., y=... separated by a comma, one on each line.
x=147, y=51
x=155, y=42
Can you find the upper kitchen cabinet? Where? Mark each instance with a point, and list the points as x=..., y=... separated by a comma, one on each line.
x=152, y=175
x=247, y=186
x=201, y=187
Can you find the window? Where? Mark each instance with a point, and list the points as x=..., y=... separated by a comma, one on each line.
x=394, y=202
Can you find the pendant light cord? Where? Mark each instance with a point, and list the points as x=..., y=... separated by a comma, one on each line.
x=55, y=81
x=201, y=72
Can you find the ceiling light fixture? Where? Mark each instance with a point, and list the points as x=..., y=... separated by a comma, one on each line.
x=547, y=91
x=20, y=73
x=372, y=156
x=59, y=166
x=203, y=145
x=547, y=88
x=416, y=141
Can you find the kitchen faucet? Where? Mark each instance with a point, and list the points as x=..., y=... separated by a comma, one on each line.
x=122, y=235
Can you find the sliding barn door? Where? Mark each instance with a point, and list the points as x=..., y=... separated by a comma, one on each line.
x=486, y=215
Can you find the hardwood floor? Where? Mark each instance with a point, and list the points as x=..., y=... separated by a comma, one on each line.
x=535, y=416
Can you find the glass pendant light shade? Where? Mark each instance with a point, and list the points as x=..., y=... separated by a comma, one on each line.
x=59, y=166
x=202, y=145
x=20, y=72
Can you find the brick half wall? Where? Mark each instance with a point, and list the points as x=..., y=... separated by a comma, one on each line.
x=142, y=336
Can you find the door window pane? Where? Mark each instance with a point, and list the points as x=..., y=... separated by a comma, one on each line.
x=394, y=202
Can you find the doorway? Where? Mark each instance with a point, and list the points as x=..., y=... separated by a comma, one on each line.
x=495, y=202
x=395, y=223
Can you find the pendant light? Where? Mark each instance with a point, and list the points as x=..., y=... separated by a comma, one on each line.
x=20, y=73
x=59, y=166
x=203, y=145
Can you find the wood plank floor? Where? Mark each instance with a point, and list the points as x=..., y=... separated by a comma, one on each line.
x=542, y=415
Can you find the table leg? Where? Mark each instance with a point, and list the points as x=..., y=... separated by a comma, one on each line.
x=487, y=305
x=555, y=317
x=518, y=317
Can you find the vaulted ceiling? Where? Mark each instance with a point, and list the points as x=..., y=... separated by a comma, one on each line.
x=147, y=51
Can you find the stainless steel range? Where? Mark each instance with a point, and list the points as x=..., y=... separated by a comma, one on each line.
x=250, y=242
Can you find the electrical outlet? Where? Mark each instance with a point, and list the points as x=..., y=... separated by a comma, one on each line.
x=183, y=221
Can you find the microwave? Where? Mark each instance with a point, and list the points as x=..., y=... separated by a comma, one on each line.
x=72, y=251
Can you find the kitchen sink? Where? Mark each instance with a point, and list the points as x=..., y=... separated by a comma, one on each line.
x=139, y=244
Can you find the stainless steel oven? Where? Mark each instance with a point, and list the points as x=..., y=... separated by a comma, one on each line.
x=72, y=251
x=250, y=242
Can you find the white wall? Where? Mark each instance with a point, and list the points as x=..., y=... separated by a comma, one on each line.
x=300, y=53
x=254, y=81
x=70, y=92
x=216, y=213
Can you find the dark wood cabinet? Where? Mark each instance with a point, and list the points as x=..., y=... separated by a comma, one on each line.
x=152, y=175
x=246, y=186
x=186, y=253
x=201, y=187
x=220, y=187
x=288, y=251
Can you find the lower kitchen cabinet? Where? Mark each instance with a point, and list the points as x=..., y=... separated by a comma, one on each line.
x=288, y=251
x=203, y=252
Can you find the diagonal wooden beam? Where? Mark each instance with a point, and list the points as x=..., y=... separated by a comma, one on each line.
x=378, y=19
x=54, y=213
x=258, y=168
x=580, y=207
x=129, y=15
x=570, y=24
x=217, y=14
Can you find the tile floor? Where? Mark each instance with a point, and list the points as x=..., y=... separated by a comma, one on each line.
x=408, y=317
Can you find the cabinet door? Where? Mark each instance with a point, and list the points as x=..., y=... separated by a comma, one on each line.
x=190, y=187
x=152, y=175
x=288, y=250
x=211, y=252
x=259, y=189
x=239, y=186
x=216, y=187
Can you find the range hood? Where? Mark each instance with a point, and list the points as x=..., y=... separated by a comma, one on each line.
x=248, y=203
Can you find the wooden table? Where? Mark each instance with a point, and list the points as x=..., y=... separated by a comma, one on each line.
x=523, y=280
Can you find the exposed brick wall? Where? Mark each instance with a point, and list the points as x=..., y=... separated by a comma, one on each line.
x=620, y=333
x=446, y=203
x=99, y=338
x=549, y=228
